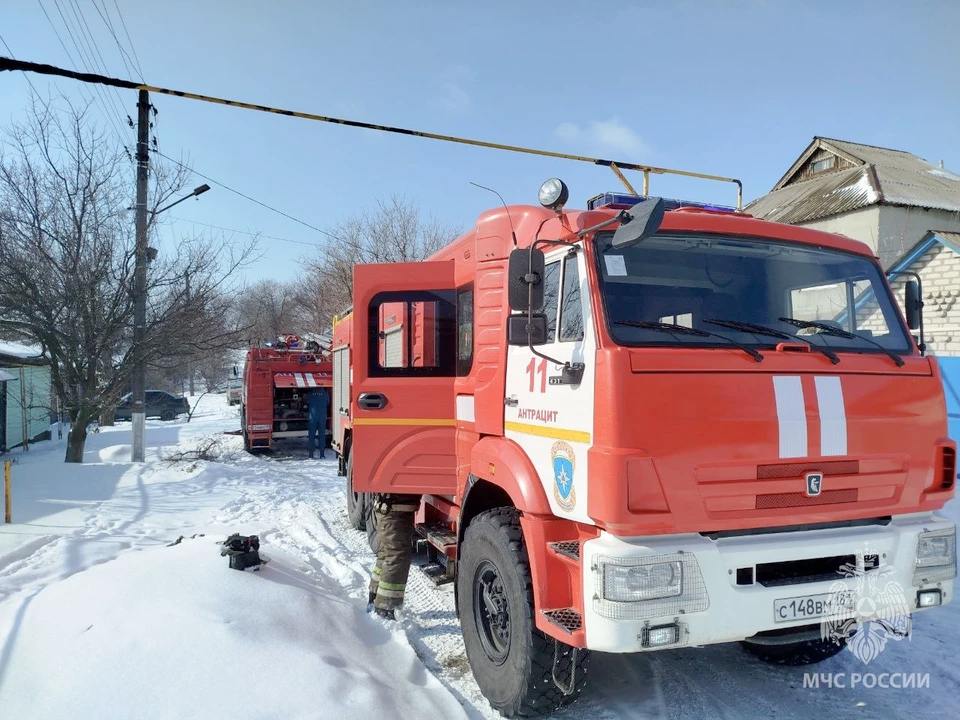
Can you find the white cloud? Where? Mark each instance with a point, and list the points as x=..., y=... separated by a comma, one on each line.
x=605, y=137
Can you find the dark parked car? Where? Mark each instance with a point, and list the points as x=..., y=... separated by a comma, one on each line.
x=158, y=404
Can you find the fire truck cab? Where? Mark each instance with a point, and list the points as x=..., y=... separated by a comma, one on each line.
x=649, y=424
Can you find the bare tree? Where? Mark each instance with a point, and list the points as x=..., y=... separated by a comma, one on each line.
x=395, y=232
x=67, y=260
x=268, y=308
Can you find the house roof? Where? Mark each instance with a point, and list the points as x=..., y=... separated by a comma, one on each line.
x=12, y=353
x=877, y=176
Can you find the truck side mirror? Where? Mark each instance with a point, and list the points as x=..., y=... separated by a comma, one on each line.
x=912, y=303
x=640, y=222
x=525, y=280
x=517, y=330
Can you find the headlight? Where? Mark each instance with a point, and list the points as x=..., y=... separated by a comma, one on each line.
x=937, y=548
x=631, y=583
x=936, y=556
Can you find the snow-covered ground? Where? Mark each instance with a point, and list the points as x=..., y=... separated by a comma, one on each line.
x=102, y=617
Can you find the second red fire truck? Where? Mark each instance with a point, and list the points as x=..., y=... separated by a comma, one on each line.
x=276, y=380
x=649, y=424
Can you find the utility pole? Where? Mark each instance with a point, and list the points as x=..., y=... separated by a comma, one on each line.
x=190, y=360
x=140, y=278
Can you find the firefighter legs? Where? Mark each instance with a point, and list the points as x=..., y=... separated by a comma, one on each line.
x=316, y=437
x=394, y=515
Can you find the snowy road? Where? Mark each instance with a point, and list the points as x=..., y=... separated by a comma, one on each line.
x=100, y=618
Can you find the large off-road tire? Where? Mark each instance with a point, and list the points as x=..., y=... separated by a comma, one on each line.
x=805, y=652
x=511, y=660
x=356, y=502
x=370, y=524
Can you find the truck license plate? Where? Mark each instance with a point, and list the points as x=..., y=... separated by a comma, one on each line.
x=812, y=606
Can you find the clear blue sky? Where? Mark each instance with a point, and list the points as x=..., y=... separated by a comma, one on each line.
x=734, y=88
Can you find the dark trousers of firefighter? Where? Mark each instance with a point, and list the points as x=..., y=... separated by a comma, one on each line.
x=394, y=516
x=316, y=433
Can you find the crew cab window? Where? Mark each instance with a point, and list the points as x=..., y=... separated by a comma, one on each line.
x=413, y=334
x=464, y=330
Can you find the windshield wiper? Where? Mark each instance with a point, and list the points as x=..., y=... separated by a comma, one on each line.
x=771, y=332
x=837, y=332
x=684, y=330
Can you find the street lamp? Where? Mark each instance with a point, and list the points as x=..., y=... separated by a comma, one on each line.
x=197, y=191
x=143, y=255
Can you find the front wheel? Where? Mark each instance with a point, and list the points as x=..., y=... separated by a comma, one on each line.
x=512, y=661
x=805, y=652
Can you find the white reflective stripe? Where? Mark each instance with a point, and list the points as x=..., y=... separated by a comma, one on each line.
x=300, y=381
x=791, y=415
x=833, y=415
x=311, y=382
x=466, y=408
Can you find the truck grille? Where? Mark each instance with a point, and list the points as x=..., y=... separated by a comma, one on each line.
x=799, y=499
x=791, y=572
x=779, y=471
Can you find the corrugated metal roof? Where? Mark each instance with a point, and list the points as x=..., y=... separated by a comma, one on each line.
x=884, y=176
x=819, y=197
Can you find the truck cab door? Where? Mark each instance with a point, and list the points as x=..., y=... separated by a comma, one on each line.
x=404, y=367
x=552, y=421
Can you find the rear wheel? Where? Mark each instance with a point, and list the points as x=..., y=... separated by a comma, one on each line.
x=356, y=501
x=168, y=415
x=243, y=429
x=370, y=524
x=512, y=661
x=805, y=652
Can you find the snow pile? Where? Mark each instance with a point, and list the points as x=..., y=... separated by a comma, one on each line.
x=20, y=350
x=172, y=632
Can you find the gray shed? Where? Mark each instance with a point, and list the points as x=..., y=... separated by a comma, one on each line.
x=24, y=395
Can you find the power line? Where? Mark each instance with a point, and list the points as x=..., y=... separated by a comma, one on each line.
x=247, y=197
x=92, y=99
x=129, y=41
x=615, y=165
x=124, y=56
x=86, y=61
x=26, y=77
x=243, y=232
x=92, y=43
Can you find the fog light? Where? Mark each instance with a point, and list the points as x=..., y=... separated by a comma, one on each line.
x=659, y=635
x=929, y=598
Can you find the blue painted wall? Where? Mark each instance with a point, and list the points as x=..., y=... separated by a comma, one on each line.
x=950, y=368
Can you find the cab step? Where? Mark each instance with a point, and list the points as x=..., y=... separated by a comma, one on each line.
x=437, y=573
x=569, y=549
x=440, y=537
x=567, y=619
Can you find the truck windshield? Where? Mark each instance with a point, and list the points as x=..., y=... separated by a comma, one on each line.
x=740, y=291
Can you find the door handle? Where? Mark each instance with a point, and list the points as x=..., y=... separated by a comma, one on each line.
x=372, y=401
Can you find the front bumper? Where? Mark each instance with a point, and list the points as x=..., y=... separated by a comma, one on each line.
x=716, y=609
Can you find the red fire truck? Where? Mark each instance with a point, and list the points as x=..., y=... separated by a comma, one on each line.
x=276, y=380
x=649, y=424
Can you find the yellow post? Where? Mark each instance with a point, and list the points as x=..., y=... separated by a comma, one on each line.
x=7, y=510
